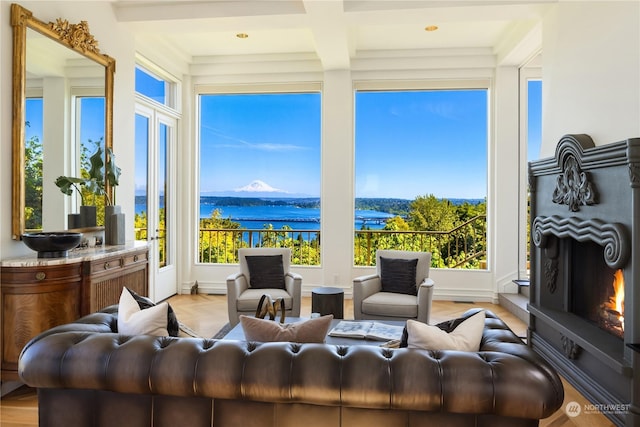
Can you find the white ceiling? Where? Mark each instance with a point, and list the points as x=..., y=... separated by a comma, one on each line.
x=335, y=33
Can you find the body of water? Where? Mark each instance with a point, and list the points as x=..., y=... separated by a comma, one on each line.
x=256, y=217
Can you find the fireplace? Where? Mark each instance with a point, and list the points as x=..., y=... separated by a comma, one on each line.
x=585, y=270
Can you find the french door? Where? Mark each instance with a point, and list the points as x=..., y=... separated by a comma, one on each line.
x=155, y=142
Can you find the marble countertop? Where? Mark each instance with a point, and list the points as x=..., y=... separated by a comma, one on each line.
x=76, y=255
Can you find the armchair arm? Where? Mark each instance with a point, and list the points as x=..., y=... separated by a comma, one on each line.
x=363, y=287
x=425, y=295
x=293, y=285
x=236, y=284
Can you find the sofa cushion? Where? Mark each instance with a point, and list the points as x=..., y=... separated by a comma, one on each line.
x=312, y=330
x=132, y=320
x=391, y=304
x=465, y=337
x=265, y=271
x=398, y=275
x=173, y=326
x=248, y=300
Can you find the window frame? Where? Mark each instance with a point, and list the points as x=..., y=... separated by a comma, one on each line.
x=434, y=85
x=525, y=75
x=240, y=89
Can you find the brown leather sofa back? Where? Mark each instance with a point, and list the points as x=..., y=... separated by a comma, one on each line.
x=87, y=374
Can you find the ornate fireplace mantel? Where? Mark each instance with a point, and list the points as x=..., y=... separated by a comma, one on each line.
x=585, y=226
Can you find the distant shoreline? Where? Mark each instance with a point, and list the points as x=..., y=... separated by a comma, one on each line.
x=393, y=206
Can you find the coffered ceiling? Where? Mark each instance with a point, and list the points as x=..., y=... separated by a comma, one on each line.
x=336, y=33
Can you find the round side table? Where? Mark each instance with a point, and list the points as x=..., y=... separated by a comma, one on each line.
x=328, y=300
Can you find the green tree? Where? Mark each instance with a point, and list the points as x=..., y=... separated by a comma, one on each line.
x=427, y=213
x=219, y=247
x=33, y=183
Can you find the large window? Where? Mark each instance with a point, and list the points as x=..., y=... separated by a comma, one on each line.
x=259, y=174
x=421, y=174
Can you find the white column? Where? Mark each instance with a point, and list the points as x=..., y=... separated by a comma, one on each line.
x=337, y=179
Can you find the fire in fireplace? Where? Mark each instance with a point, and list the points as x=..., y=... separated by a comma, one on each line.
x=612, y=310
x=611, y=317
x=596, y=290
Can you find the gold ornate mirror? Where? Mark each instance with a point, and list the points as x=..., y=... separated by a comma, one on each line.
x=53, y=59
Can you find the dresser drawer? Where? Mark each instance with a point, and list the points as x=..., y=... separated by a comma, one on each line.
x=135, y=258
x=41, y=274
x=106, y=264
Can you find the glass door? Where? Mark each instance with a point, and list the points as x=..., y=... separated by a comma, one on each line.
x=155, y=189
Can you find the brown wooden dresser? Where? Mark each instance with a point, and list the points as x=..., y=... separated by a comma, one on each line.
x=38, y=294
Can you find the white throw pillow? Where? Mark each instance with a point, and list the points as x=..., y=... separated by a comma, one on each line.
x=134, y=321
x=466, y=337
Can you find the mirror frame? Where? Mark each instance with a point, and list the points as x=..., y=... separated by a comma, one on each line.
x=75, y=37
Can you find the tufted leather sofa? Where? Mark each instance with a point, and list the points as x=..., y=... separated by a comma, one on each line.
x=88, y=375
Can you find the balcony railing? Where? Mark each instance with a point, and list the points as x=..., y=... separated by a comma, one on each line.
x=462, y=247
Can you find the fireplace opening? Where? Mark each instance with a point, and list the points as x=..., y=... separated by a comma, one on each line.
x=596, y=290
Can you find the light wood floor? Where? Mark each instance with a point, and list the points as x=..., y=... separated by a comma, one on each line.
x=206, y=314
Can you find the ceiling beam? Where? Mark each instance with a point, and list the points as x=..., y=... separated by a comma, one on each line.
x=332, y=38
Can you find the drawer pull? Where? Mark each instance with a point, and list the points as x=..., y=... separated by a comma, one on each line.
x=135, y=258
x=41, y=275
x=106, y=265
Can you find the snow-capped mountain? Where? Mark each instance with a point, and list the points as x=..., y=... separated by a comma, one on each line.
x=257, y=186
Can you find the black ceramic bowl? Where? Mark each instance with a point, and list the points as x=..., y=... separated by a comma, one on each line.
x=52, y=244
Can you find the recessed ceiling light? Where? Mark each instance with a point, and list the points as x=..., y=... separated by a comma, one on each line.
x=242, y=35
x=431, y=28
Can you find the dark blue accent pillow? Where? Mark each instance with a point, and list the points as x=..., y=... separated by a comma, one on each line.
x=265, y=271
x=398, y=275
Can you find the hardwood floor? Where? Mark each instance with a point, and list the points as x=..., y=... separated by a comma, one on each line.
x=207, y=314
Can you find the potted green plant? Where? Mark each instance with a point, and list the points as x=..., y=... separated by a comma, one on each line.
x=93, y=183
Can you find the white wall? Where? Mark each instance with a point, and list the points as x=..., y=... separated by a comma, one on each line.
x=591, y=72
x=115, y=40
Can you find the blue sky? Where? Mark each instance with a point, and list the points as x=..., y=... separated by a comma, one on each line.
x=418, y=143
x=274, y=138
x=91, y=123
x=407, y=143
x=534, y=119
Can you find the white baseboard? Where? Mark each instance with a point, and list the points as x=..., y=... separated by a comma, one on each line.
x=217, y=288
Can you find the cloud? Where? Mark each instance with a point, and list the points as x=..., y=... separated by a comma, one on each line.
x=244, y=144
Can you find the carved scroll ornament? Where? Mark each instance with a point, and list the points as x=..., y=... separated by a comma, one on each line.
x=551, y=274
x=612, y=236
x=570, y=348
x=573, y=187
x=77, y=35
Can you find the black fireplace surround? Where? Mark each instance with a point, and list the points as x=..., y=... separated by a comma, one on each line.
x=585, y=228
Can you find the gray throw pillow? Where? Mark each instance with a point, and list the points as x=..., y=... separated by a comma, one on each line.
x=398, y=275
x=265, y=271
x=311, y=330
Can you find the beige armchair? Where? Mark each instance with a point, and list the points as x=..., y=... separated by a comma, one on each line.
x=243, y=294
x=372, y=300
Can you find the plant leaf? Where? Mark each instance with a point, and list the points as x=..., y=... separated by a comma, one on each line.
x=112, y=171
x=97, y=162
